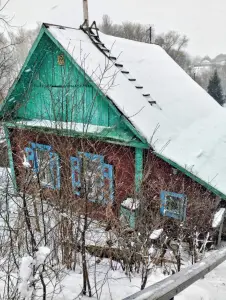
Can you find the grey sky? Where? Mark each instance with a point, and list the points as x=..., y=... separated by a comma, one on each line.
x=203, y=21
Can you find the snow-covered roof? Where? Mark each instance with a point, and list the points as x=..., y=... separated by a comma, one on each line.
x=187, y=117
x=182, y=100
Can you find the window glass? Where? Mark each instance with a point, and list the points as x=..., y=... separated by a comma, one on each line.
x=93, y=177
x=173, y=205
x=43, y=162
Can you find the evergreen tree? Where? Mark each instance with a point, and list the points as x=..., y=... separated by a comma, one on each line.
x=215, y=89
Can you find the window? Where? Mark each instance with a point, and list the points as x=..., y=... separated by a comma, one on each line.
x=92, y=176
x=60, y=60
x=173, y=205
x=45, y=163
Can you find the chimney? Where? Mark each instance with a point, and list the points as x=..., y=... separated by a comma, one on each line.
x=86, y=12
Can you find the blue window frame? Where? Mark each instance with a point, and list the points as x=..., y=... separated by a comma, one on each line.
x=45, y=163
x=29, y=153
x=75, y=176
x=108, y=183
x=173, y=205
x=90, y=173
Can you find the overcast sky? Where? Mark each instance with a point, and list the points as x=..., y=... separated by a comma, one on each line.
x=203, y=21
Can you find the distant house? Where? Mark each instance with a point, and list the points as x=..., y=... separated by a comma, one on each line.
x=208, y=64
x=117, y=107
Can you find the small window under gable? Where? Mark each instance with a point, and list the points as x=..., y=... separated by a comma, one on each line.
x=173, y=205
x=91, y=176
x=45, y=164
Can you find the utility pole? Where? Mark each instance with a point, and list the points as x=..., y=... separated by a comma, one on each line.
x=150, y=31
x=85, y=11
x=194, y=76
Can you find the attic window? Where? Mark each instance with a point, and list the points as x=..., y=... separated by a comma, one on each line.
x=60, y=60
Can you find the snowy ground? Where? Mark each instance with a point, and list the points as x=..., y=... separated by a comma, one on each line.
x=118, y=286
x=115, y=285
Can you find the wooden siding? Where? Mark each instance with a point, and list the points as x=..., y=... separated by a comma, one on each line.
x=161, y=176
x=61, y=93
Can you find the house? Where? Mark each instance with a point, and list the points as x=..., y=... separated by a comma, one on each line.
x=207, y=64
x=91, y=109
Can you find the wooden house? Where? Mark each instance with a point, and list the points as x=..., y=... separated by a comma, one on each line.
x=124, y=109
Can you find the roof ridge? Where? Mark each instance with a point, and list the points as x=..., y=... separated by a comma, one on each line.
x=47, y=25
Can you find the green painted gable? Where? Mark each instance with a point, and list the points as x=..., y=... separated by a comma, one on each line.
x=53, y=87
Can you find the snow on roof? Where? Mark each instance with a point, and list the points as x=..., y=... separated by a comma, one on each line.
x=79, y=127
x=218, y=218
x=189, y=118
x=182, y=100
x=156, y=234
x=131, y=204
x=201, y=149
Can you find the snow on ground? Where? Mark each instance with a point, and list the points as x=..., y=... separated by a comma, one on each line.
x=118, y=286
x=115, y=285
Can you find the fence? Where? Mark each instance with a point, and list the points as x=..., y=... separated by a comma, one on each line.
x=173, y=285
